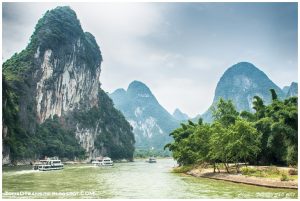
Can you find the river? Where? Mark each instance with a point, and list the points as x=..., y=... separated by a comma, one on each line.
x=125, y=180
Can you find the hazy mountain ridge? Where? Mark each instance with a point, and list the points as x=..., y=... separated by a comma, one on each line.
x=240, y=83
x=293, y=90
x=150, y=121
x=180, y=116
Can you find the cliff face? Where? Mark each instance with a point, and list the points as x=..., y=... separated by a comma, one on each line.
x=63, y=83
x=58, y=73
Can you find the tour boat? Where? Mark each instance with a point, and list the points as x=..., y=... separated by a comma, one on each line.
x=151, y=160
x=48, y=164
x=97, y=162
x=106, y=161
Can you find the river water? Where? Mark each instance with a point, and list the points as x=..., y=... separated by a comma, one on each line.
x=125, y=180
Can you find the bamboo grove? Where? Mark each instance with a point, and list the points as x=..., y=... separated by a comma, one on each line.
x=268, y=136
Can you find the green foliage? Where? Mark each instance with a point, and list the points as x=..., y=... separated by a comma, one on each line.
x=217, y=143
x=52, y=139
x=17, y=70
x=244, y=142
x=115, y=136
x=183, y=169
x=145, y=153
x=274, y=95
x=259, y=107
x=56, y=28
x=284, y=177
x=279, y=129
x=269, y=136
x=268, y=172
x=225, y=112
x=248, y=170
x=17, y=139
x=200, y=121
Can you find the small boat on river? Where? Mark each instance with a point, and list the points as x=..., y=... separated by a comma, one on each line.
x=151, y=160
x=48, y=164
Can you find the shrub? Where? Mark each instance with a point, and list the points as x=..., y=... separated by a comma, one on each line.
x=293, y=171
x=182, y=169
x=273, y=170
x=284, y=177
x=247, y=170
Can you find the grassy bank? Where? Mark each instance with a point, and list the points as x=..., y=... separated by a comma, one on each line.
x=273, y=172
x=183, y=169
x=267, y=176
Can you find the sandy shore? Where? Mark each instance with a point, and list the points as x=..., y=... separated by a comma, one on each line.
x=239, y=178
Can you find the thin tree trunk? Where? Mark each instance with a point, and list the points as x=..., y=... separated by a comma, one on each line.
x=237, y=168
x=245, y=162
x=214, y=167
x=226, y=167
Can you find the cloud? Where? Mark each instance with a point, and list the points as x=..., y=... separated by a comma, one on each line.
x=180, y=50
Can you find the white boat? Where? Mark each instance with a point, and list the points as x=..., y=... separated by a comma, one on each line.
x=106, y=161
x=97, y=162
x=48, y=164
x=151, y=160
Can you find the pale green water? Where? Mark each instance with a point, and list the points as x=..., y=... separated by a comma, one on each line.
x=126, y=180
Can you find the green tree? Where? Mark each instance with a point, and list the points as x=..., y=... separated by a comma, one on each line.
x=278, y=126
x=244, y=142
x=259, y=107
x=225, y=112
x=218, y=150
x=181, y=150
x=274, y=94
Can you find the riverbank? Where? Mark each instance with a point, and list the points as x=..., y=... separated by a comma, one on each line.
x=245, y=179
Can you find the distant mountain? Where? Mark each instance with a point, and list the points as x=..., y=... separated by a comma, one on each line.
x=240, y=83
x=285, y=89
x=293, y=90
x=180, y=116
x=150, y=121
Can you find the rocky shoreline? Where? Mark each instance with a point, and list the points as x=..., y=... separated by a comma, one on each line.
x=239, y=178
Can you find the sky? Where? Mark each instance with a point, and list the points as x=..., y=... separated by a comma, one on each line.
x=179, y=50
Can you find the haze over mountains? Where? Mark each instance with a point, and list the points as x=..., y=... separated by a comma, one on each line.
x=152, y=123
